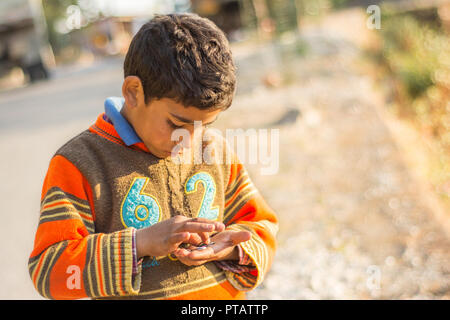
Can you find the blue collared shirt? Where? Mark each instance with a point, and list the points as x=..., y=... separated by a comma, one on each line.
x=113, y=105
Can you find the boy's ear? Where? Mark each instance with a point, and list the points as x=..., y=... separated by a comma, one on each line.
x=132, y=91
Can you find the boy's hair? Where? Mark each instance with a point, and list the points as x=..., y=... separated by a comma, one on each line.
x=183, y=57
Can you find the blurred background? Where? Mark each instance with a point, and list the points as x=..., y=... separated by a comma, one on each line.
x=358, y=89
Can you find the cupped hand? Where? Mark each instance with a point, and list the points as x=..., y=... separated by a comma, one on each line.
x=165, y=237
x=223, y=248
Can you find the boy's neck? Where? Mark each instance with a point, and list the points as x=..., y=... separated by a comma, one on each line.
x=124, y=112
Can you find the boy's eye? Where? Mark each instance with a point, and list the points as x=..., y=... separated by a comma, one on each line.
x=173, y=125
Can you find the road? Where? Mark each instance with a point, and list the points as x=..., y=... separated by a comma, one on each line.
x=35, y=121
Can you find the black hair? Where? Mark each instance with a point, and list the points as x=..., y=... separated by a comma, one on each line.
x=183, y=57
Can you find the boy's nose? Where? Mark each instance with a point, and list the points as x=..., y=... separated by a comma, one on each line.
x=188, y=142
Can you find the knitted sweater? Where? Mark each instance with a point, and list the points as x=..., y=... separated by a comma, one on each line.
x=98, y=191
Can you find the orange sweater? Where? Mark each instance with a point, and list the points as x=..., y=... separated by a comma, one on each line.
x=83, y=243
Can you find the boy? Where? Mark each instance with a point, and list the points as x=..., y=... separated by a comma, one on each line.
x=120, y=219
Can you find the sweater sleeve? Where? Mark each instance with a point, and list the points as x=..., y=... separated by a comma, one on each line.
x=69, y=260
x=246, y=209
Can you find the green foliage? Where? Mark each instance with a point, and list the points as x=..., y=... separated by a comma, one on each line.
x=284, y=13
x=55, y=10
x=337, y=4
x=417, y=55
x=411, y=50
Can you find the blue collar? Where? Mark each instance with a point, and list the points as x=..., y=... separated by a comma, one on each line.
x=113, y=105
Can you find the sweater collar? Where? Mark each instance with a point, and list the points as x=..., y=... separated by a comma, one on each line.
x=118, y=129
x=113, y=105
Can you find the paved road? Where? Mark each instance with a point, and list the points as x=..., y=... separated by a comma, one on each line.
x=34, y=122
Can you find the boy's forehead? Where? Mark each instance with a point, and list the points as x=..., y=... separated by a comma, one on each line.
x=190, y=114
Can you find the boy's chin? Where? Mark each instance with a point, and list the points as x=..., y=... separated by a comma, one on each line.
x=168, y=154
x=158, y=153
x=162, y=155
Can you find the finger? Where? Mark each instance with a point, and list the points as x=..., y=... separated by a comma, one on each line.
x=218, y=226
x=199, y=219
x=181, y=253
x=179, y=237
x=240, y=236
x=183, y=257
x=196, y=238
x=197, y=227
x=204, y=236
x=205, y=254
x=190, y=262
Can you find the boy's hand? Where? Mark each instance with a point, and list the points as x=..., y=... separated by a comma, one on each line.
x=164, y=237
x=223, y=248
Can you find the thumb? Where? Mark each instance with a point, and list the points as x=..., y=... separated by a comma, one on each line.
x=179, y=237
x=240, y=236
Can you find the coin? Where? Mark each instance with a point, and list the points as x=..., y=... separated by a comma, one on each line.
x=203, y=246
x=184, y=245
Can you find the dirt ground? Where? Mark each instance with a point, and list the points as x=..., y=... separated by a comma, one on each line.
x=355, y=222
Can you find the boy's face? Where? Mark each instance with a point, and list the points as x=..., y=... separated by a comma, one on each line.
x=155, y=122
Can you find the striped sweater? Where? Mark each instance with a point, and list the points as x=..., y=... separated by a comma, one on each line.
x=98, y=191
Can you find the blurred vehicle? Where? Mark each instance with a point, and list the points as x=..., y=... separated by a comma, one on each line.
x=24, y=40
x=225, y=13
